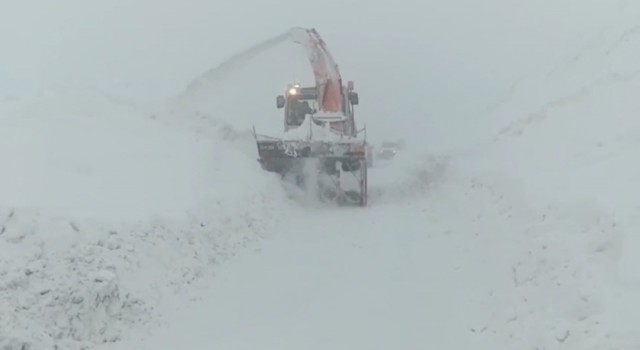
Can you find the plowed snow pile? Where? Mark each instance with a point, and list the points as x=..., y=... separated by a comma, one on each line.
x=110, y=212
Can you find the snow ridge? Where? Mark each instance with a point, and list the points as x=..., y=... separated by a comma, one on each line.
x=71, y=274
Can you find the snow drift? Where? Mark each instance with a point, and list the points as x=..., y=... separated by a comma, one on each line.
x=105, y=211
x=565, y=143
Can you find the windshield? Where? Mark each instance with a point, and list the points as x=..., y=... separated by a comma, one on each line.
x=303, y=106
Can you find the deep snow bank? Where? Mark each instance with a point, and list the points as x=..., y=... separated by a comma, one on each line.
x=104, y=212
x=565, y=144
x=570, y=131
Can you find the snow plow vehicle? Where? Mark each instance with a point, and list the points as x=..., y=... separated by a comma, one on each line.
x=321, y=149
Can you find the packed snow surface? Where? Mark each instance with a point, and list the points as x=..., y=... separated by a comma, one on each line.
x=129, y=220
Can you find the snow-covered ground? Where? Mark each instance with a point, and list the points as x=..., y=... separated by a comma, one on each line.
x=133, y=220
x=102, y=206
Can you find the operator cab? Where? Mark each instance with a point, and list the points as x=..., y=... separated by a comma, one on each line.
x=300, y=102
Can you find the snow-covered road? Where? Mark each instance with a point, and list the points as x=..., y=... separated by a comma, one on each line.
x=394, y=276
x=463, y=264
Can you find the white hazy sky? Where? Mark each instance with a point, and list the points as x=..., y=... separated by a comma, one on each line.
x=428, y=57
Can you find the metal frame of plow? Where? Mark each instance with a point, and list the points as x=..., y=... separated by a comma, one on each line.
x=336, y=160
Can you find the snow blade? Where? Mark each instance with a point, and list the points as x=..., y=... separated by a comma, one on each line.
x=337, y=170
